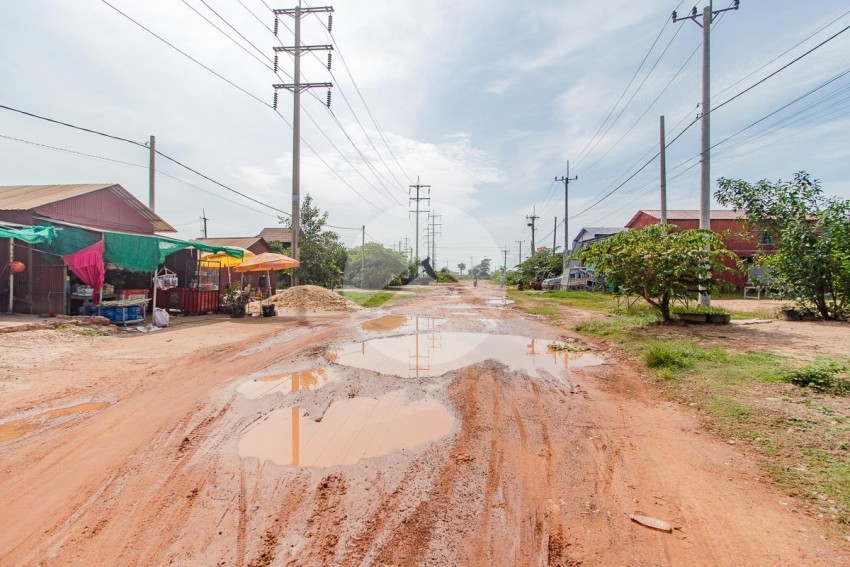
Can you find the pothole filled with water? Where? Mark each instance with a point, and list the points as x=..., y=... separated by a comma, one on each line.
x=20, y=427
x=350, y=430
x=499, y=301
x=286, y=383
x=401, y=323
x=435, y=353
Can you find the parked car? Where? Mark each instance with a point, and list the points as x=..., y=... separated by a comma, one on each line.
x=552, y=283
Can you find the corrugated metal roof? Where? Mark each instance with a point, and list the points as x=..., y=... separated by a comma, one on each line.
x=690, y=214
x=240, y=241
x=26, y=197
x=278, y=234
x=31, y=197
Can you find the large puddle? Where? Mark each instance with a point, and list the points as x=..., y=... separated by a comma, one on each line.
x=20, y=427
x=350, y=430
x=434, y=354
x=291, y=382
x=401, y=323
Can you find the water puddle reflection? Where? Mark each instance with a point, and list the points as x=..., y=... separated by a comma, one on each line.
x=499, y=301
x=291, y=382
x=20, y=427
x=401, y=323
x=434, y=354
x=350, y=430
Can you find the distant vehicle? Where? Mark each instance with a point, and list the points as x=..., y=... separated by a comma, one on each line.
x=580, y=279
x=552, y=283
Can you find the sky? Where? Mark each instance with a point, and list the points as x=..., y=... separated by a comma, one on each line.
x=485, y=101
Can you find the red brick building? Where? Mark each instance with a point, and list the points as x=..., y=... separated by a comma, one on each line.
x=728, y=224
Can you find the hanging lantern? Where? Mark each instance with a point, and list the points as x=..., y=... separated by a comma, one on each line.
x=17, y=267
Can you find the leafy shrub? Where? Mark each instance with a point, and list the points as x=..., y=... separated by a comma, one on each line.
x=699, y=310
x=670, y=355
x=823, y=376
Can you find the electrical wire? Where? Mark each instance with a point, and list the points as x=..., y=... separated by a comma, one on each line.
x=625, y=90
x=133, y=142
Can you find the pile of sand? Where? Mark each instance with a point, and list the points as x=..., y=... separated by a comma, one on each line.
x=306, y=299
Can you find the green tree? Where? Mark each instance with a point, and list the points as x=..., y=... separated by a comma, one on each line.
x=811, y=233
x=541, y=265
x=322, y=254
x=481, y=270
x=461, y=267
x=659, y=262
x=381, y=265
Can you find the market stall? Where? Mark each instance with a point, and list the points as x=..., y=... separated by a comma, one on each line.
x=267, y=262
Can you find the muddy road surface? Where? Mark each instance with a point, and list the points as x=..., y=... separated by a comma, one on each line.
x=439, y=431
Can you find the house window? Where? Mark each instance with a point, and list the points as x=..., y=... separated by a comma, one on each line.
x=766, y=237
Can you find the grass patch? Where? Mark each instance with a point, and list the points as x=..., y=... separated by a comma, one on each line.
x=367, y=298
x=546, y=310
x=585, y=300
x=615, y=326
x=826, y=375
x=92, y=332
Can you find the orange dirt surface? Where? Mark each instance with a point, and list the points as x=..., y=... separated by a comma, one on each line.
x=543, y=470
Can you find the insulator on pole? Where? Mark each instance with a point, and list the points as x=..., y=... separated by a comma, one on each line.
x=329, y=98
x=274, y=104
x=276, y=23
x=275, y=63
x=330, y=22
x=329, y=61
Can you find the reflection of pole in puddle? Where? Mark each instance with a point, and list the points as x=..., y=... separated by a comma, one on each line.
x=296, y=416
x=417, y=357
x=532, y=352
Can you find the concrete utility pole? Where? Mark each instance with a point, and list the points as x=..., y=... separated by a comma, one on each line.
x=520, y=249
x=205, y=219
x=708, y=14
x=505, y=268
x=555, y=236
x=663, y=175
x=152, y=175
x=362, y=251
x=407, y=247
x=434, y=234
x=532, y=218
x=566, y=179
x=297, y=13
x=417, y=199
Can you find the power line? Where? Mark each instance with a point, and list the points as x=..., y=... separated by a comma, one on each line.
x=126, y=140
x=625, y=90
x=757, y=83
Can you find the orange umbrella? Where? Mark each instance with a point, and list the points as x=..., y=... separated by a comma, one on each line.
x=267, y=261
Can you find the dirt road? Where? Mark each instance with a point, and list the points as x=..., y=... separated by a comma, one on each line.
x=444, y=434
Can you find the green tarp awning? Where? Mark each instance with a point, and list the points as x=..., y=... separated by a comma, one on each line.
x=29, y=234
x=134, y=252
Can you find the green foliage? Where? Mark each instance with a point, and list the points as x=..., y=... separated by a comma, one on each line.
x=381, y=265
x=671, y=356
x=367, y=298
x=699, y=310
x=615, y=325
x=542, y=265
x=461, y=267
x=823, y=376
x=659, y=262
x=321, y=252
x=445, y=276
x=811, y=233
x=481, y=270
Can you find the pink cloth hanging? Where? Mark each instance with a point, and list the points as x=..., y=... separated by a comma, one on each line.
x=87, y=264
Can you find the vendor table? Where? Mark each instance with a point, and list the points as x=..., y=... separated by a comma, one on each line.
x=124, y=311
x=189, y=301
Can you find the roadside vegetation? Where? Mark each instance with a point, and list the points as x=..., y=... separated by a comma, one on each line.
x=796, y=418
x=367, y=299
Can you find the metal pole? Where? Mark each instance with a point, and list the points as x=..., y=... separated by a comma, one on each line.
x=12, y=276
x=705, y=189
x=296, y=143
x=362, y=253
x=152, y=175
x=555, y=235
x=663, y=171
